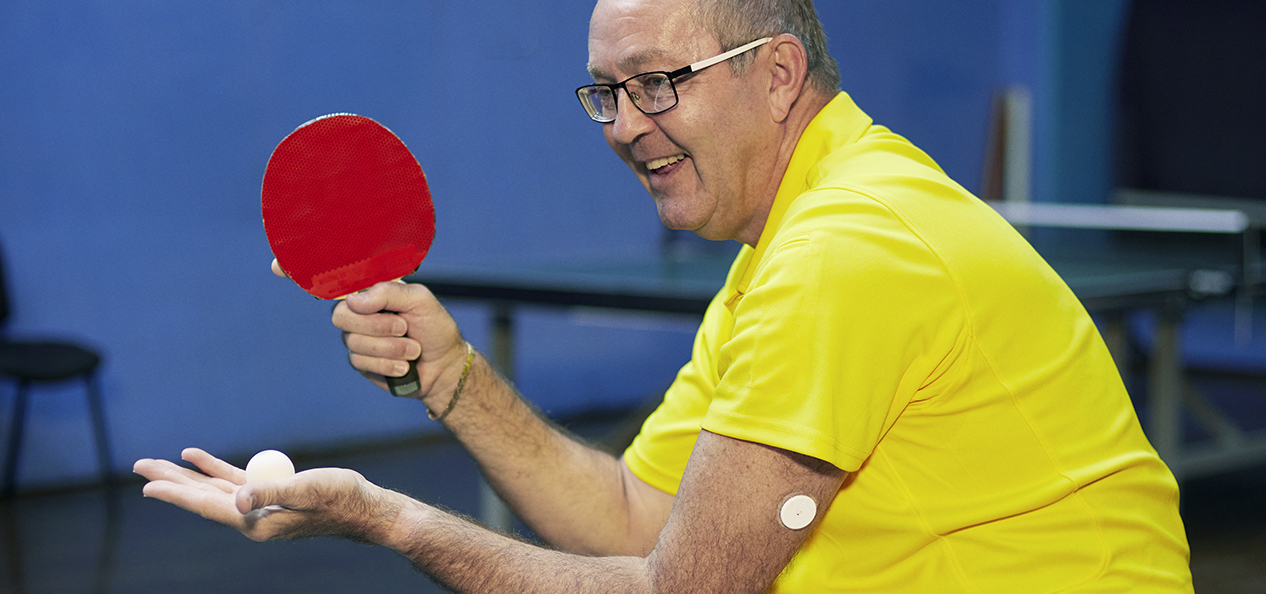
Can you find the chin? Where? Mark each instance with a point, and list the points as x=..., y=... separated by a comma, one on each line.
x=678, y=221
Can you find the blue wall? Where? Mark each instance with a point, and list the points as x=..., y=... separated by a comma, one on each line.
x=135, y=135
x=1085, y=37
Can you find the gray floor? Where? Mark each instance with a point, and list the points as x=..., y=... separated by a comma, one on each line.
x=96, y=540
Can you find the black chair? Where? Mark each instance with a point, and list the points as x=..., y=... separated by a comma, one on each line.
x=42, y=361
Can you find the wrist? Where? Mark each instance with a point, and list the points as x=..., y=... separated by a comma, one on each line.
x=441, y=401
x=403, y=532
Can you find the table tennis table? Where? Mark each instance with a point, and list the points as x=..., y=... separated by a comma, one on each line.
x=1109, y=284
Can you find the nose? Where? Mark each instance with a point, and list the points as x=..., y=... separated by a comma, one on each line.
x=630, y=122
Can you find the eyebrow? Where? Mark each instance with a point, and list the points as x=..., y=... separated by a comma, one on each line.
x=597, y=73
x=631, y=63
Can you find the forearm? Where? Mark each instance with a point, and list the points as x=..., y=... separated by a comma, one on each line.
x=725, y=533
x=571, y=494
x=472, y=559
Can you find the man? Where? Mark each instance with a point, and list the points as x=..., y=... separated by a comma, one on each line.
x=892, y=392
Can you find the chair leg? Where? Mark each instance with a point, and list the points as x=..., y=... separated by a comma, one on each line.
x=104, y=458
x=15, y=440
x=13, y=547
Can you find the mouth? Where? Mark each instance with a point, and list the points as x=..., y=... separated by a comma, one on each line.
x=664, y=165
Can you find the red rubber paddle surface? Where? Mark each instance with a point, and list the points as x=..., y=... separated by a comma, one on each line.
x=346, y=206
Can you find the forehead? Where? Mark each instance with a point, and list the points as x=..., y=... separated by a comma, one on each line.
x=627, y=37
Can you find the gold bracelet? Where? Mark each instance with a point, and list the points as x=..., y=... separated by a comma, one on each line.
x=461, y=383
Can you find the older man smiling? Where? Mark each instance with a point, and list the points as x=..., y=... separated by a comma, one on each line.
x=891, y=393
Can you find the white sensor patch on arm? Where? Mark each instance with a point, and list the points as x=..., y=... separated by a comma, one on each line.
x=798, y=511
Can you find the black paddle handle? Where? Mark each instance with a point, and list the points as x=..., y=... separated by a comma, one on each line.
x=406, y=385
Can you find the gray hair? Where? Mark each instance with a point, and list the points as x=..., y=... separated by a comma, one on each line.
x=736, y=22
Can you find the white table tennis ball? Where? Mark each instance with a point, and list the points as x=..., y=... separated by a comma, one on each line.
x=267, y=465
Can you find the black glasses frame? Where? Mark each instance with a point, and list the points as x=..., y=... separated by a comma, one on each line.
x=596, y=116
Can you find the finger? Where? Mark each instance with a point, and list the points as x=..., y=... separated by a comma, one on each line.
x=377, y=366
x=404, y=298
x=307, y=490
x=248, y=495
x=375, y=323
x=262, y=524
x=143, y=466
x=162, y=470
x=383, y=347
x=211, y=504
x=278, y=271
x=213, y=466
x=283, y=492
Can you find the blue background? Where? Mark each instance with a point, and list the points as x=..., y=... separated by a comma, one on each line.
x=135, y=133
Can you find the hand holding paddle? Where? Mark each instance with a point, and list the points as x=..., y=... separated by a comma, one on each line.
x=346, y=206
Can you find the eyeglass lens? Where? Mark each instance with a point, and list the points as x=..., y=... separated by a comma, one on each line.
x=652, y=92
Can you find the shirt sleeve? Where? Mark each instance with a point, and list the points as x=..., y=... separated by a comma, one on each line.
x=659, y=453
x=840, y=328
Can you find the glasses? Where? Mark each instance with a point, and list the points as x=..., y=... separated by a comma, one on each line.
x=651, y=92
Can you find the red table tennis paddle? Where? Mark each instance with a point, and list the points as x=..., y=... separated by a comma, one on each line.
x=346, y=206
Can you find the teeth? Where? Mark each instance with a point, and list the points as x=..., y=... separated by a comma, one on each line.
x=664, y=162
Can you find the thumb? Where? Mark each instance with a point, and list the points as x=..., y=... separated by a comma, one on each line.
x=257, y=495
x=278, y=271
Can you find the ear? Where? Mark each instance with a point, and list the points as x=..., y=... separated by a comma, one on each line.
x=789, y=66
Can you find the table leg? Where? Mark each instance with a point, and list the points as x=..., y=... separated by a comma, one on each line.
x=503, y=339
x=1165, y=388
x=1116, y=339
x=1251, y=265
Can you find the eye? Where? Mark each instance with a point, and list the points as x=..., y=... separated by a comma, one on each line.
x=655, y=82
x=603, y=96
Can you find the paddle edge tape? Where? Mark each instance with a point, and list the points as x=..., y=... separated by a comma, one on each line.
x=302, y=244
x=337, y=114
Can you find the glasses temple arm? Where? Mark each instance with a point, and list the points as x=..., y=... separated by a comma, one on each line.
x=700, y=65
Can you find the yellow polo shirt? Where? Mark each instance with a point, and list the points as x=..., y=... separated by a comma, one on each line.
x=890, y=323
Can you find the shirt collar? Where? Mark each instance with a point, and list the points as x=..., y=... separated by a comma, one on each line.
x=839, y=123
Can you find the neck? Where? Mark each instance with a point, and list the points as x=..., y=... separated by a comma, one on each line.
x=802, y=112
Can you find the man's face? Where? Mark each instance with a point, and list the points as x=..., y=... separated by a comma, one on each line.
x=701, y=160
